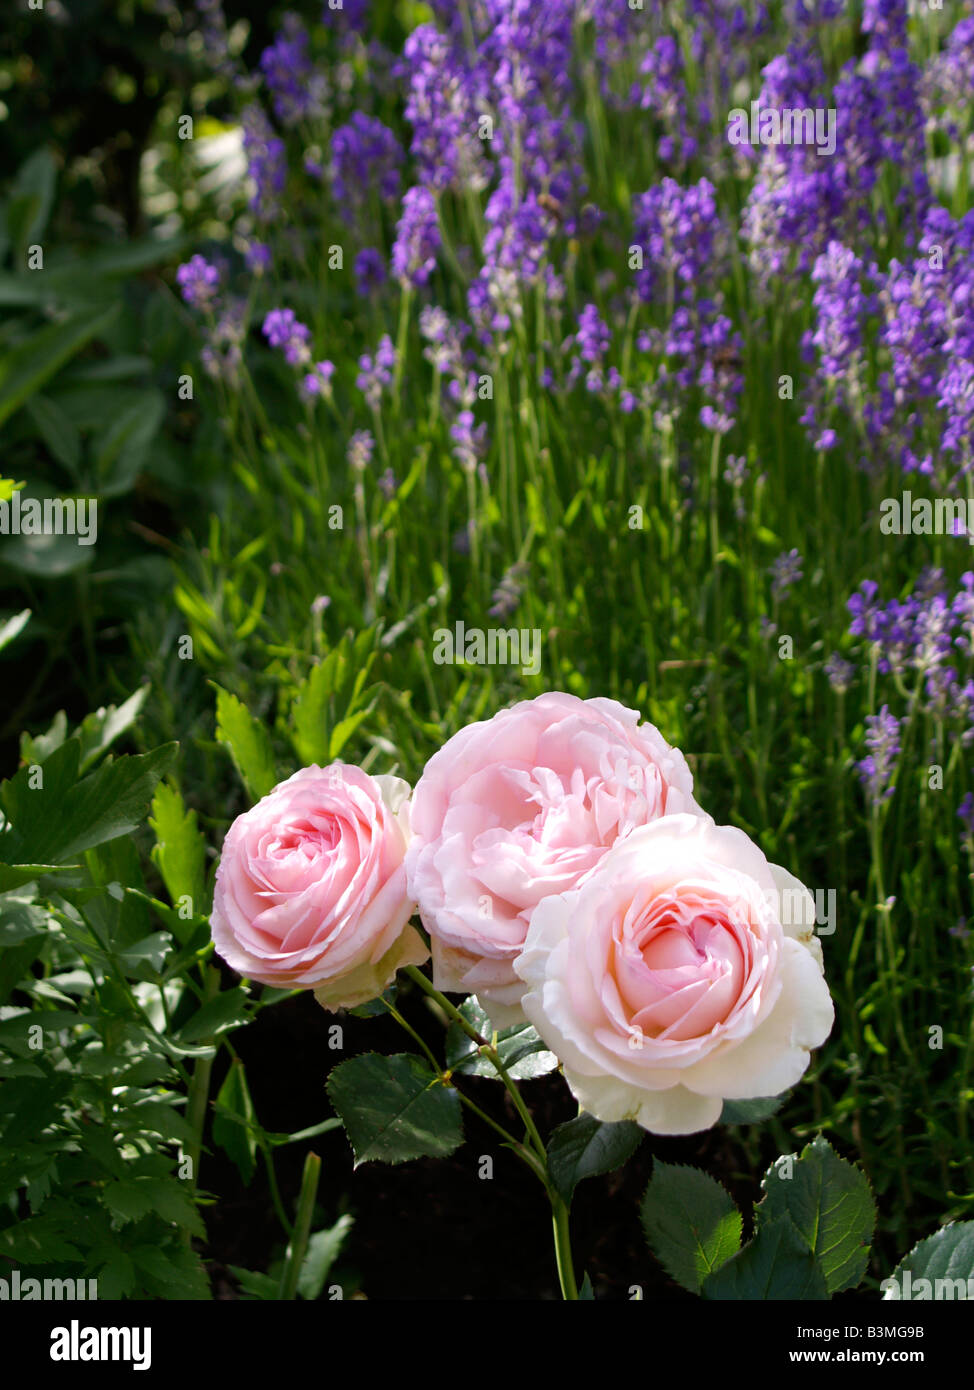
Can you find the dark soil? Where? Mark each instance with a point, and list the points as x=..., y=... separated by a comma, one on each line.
x=433, y=1228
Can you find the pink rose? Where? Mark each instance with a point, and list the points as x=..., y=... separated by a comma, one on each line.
x=683, y=973
x=311, y=888
x=521, y=806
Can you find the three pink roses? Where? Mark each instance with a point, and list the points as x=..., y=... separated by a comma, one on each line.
x=565, y=874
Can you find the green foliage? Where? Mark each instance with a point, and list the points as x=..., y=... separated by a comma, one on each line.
x=585, y=1147
x=776, y=1265
x=691, y=1224
x=948, y=1256
x=249, y=745
x=812, y=1230
x=395, y=1108
x=831, y=1205
x=751, y=1112
x=522, y=1052
x=180, y=850
x=324, y=1248
x=92, y=1127
x=108, y=1027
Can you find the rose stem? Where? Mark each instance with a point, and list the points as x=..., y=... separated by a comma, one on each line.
x=489, y=1051
x=559, y=1211
x=446, y=1077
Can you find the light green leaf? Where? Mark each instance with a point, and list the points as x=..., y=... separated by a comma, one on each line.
x=180, y=850
x=831, y=1206
x=310, y=714
x=248, y=742
x=13, y=627
x=99, y=729
x=323, y=1250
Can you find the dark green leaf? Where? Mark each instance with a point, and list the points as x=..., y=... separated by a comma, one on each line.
x=395, y=1108
x=942, y=1259
x=25, y=368
x=227, y=1010
x=691, y=1223
x=520, y=1048
x=63, y=439
x=751, y=1112
x=584, y=1147
x=259, y=1286
x=237, y=1140
x=776, y=1266
x=55, y=822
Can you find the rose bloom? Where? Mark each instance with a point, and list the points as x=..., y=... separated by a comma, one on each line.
x=311, y=887
x=521, y=806
x=683, y=973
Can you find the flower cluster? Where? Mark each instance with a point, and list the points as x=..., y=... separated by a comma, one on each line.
x=564, y=874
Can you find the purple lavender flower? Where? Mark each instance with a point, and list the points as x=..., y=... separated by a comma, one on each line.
x=298, y=90
x=318, y=381
x=266, y=162
x=283, y=330
x=257, y=257
x=365, y=156
x=375, y=373
x=216, y=38
x=592, y=338
x=949, y=81
x=682, y=238
x=349, y=15
x=736, y=471
x=417, y=238
x=447, y=95
x=469, y=441
x=840, y=673
x=222, y=354
x=444, y=348
x=785, y=571
x=877, y=768
x=370, y=270
x=507, y=595
x=885, y=20
x=198, y=281
x=359, y=453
